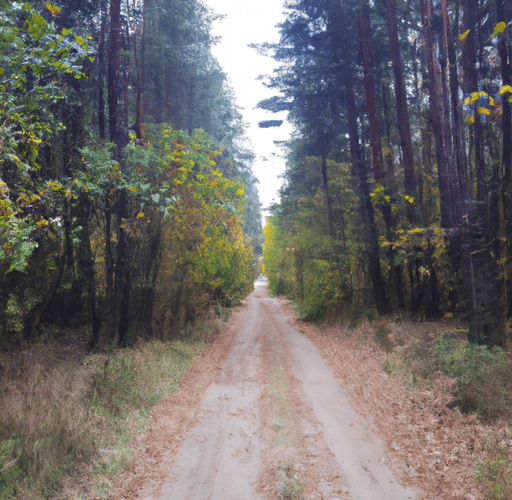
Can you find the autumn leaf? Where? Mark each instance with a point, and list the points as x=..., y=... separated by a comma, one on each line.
x=54, y=10
x=464, y=35
x=499, y=28
x=483, y=111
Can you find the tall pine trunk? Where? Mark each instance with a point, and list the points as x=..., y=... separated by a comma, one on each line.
x=402, y=111
x=359, y=170
x=117, y=130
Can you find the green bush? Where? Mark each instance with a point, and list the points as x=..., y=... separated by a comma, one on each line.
x=483, y=375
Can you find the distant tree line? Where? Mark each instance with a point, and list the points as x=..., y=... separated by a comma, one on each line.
x=397, y=191
x=127, y=202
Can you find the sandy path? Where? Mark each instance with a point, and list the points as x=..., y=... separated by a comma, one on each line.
x=274, y=400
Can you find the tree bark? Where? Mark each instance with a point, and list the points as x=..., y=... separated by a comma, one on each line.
x=379, y=172
x=452, y=208
x=470, y=84
x=117, y=132
x=359, y=170
x=402, y=112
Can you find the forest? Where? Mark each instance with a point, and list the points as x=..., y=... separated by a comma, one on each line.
x=130, y=223
x=126, y=192
x=396, y=195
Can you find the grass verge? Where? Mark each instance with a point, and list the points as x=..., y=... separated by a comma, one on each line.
x=289, y=486
x=68, y=425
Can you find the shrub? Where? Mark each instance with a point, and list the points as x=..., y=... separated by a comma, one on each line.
x=483, y=375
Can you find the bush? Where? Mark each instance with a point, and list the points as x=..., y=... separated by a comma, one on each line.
x=483, y=375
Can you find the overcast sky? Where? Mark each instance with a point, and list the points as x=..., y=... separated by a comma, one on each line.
x=246, y=22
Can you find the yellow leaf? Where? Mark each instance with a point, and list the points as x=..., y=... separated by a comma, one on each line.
x=54, y=10
x=140, y=215
x=470, y=120
x=464, y=35
x=476, y=95
x=483, y=111
x=506, y=89
x=499, y=28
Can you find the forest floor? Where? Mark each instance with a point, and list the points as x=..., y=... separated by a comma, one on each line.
x=281, y=409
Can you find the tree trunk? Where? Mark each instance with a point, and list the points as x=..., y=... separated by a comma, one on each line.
x=378, y=285
x=505, y=172
x=452, y=206
x=458, y=135
x=86, y=263
x=402, y=112
x=325, y=180
x=369, y=86
x=101, y=67
x=117, y=130
x=113, y=69
x=470, y=84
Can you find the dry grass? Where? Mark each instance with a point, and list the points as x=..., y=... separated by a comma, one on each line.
x=477, y=379
x=67, y=420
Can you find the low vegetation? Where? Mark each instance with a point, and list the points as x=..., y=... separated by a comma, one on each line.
x=291, y=486
x=68, y=420
x=479, y=380
x=481, y=375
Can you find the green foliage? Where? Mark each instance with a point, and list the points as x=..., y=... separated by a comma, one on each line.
x=482, y=374
x=127, y=381
x=36, y=63
x=494, y=473
x=270, y=255
x=10, y=472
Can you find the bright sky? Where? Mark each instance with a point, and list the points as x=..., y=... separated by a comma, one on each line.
x=246, y=22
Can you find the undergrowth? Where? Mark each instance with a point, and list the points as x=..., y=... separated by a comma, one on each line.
x=480, y=381
x=66, y=426
x=482, y=376
x=494, y=472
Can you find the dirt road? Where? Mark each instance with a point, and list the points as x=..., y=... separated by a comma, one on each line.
x=262, y=418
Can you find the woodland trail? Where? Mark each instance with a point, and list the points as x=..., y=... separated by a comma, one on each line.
x=263, y=417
